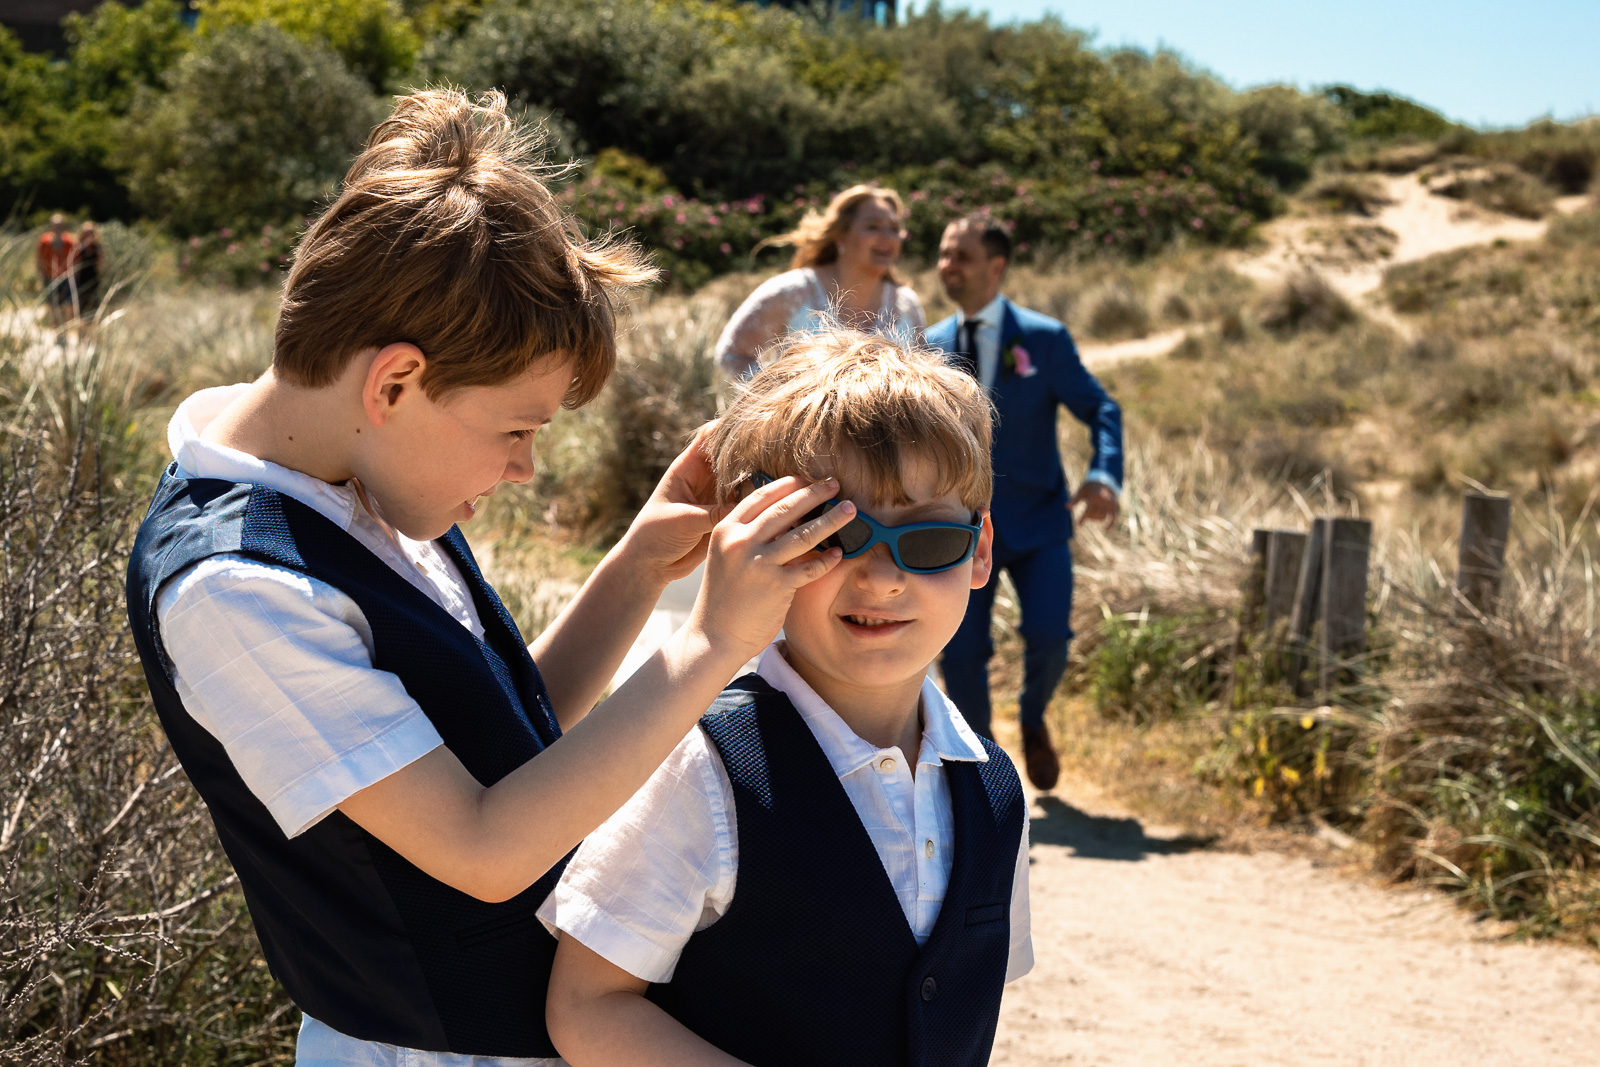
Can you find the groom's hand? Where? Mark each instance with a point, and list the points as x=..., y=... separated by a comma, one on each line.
x=1099, y=502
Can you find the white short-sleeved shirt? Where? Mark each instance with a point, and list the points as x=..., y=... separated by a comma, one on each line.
x=277, y=666
x=666, y=864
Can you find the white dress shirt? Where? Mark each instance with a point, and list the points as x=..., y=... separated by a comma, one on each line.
x=988, y=318
x=277, y=666
x=666, y=864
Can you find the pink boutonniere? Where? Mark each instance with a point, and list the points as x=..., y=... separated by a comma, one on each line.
x=1018, y=362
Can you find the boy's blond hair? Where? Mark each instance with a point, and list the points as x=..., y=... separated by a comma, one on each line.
x=843, y=397
x=445, y=235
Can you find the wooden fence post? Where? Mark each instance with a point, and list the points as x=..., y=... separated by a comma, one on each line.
x=1346, y=547
x=1254, y=594
x=1307, y=601
x=1485, y=528
x=1285, y=550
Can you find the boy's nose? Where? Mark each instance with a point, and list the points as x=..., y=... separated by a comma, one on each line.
x=519, y=465
x=879, y=573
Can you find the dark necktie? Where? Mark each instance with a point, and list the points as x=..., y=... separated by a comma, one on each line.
x=967, y=348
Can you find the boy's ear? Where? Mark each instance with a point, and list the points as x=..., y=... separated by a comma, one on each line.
x=983, y=555
x=394, y=371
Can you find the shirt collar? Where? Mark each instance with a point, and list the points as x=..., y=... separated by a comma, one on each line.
x=945, y=734
x=988, y=315
x=199, y=458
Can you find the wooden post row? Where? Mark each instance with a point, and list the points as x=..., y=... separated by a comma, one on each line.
x=1303, y=578
x=1485, y=528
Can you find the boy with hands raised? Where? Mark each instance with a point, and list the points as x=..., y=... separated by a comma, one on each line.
x=395, y=780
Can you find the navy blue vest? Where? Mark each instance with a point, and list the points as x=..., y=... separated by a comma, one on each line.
x=814, y=962
x=361, y=939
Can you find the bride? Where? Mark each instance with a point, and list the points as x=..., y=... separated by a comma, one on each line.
x=842, y=272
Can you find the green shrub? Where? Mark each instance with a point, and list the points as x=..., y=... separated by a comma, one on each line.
x=1289, y=130
x=59, y=120
x=1384, y=116
x=1143, y=669
x=256, y=127
x=373, y=37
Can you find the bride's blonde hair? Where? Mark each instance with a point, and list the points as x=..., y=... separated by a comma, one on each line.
x=816, y=239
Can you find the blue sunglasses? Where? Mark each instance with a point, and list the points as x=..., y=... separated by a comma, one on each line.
x=917, y=547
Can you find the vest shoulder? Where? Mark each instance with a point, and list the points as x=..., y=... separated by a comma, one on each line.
x=1000, y=779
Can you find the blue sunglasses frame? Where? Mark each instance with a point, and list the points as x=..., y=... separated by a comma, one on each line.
x=885, y=535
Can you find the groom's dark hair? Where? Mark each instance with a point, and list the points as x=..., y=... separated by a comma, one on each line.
x=996, y=241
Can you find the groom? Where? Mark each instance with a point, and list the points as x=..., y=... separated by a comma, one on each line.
x=1029, y=366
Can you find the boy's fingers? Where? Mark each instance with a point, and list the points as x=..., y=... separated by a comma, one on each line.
x=809, y=570
x=690, y=478
x=763, y=499
x=806, y=537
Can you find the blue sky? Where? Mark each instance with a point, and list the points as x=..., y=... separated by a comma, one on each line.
x=1489, y=64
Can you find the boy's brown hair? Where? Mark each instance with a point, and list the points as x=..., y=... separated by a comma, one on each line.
x=856, y=398
x=445, y=235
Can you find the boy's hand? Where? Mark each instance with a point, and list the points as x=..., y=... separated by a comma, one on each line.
x=668, y=537
x=759, y=557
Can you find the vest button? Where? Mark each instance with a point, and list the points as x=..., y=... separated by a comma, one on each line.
x=930, y=988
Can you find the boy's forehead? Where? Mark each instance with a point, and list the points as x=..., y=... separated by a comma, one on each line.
x=919, y=478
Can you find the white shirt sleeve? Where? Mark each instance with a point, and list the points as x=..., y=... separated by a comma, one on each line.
x=277, y=666
x=1020, y=962
x=660, y=869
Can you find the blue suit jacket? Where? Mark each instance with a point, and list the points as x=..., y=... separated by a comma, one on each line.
x=1030, y=488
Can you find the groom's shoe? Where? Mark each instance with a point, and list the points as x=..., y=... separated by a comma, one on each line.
x=1039, y=757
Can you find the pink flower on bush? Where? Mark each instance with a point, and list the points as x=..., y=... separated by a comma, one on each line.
x=233, y=247
x=1196, y=223
x=225, y=233
x=919, y=194
x=725, y=248
x=265, y=266
x=713, y=220
x=619, y=206
x=669, y=200
x=266, y=242
x=682, y=218
x=194, y=242
x=266, y=231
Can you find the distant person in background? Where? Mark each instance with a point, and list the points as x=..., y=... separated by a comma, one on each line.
x=843, y=270
x=86, y=271
x=54, y=262
x=1029, y=367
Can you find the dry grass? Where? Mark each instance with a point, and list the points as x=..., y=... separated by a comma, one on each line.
x=1464, y=753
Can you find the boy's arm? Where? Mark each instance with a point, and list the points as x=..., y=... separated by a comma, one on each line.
x=598, y=1016
x=494, y=842
x=579, y=653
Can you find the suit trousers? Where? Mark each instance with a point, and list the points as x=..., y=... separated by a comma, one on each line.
x=1043, y=580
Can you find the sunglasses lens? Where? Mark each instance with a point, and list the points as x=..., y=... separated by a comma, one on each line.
x=854, y=534
x=926, y=550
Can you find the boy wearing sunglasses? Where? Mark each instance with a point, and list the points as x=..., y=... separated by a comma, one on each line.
x=832, y=869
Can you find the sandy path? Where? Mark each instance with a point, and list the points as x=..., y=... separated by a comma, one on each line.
x=1418, y=224
x=1152, y=950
